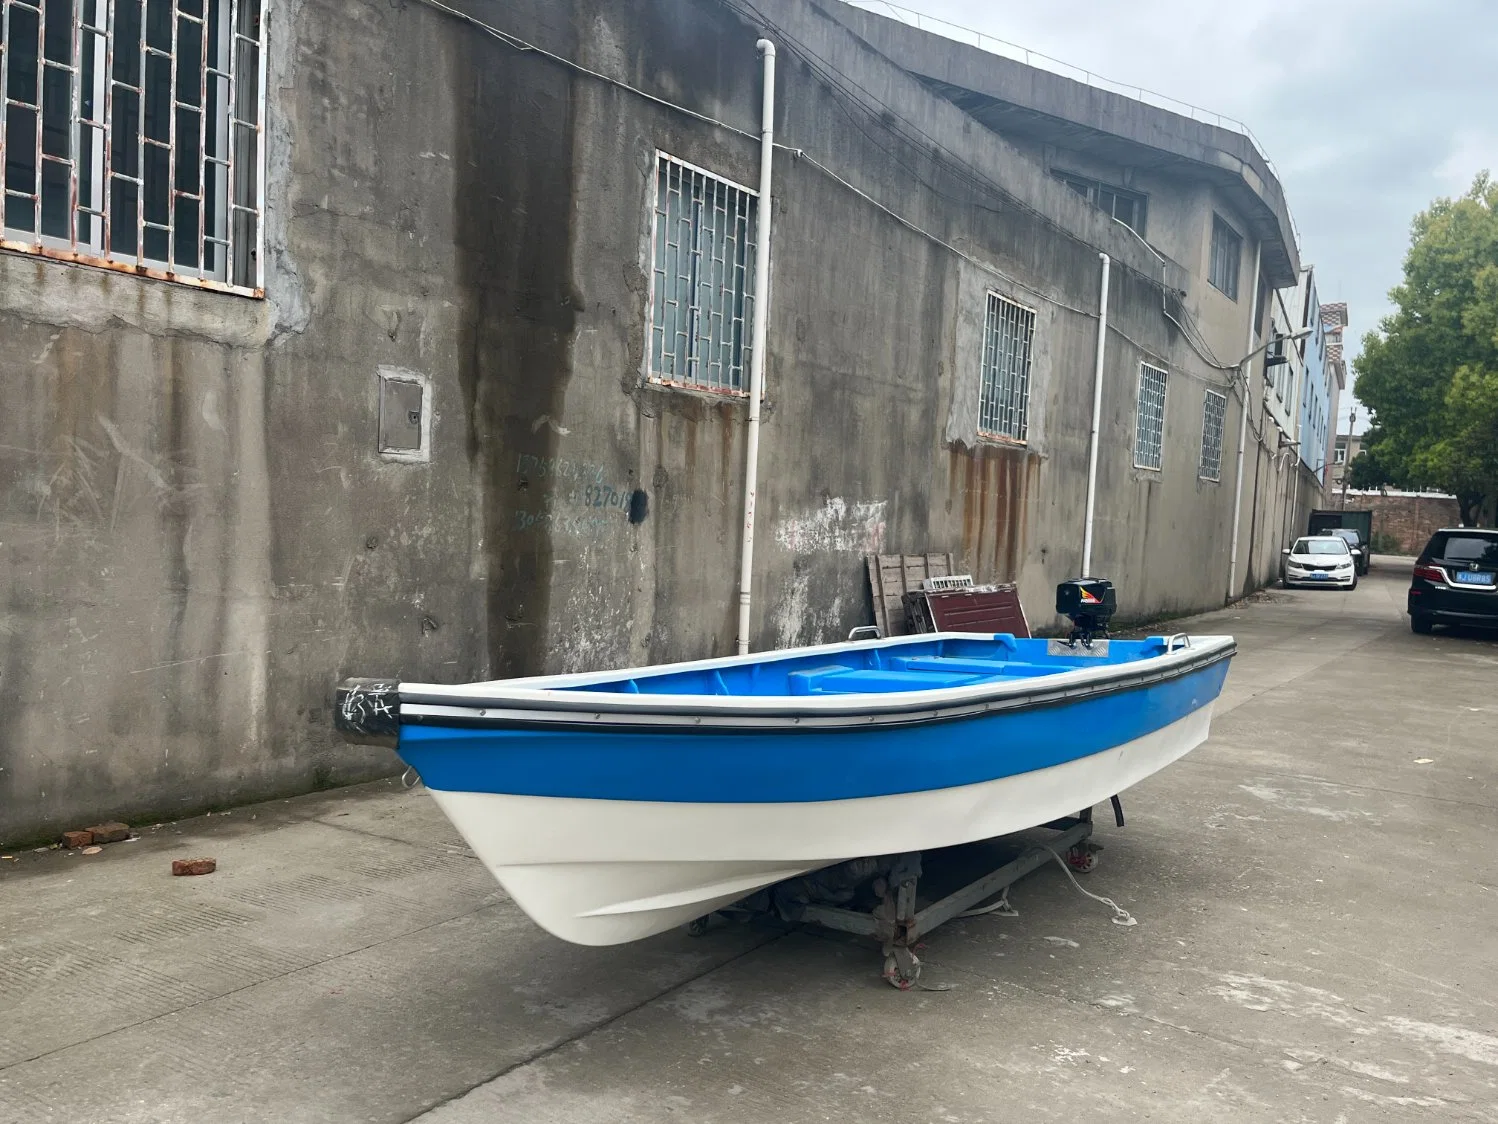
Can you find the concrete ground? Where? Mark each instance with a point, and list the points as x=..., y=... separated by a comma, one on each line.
x=1314, y=888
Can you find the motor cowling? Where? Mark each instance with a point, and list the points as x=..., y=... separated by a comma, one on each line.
x=1089, y=603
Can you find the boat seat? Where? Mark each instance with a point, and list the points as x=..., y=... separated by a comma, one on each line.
x=844, y=680
x=807, y=682
x=975, y=665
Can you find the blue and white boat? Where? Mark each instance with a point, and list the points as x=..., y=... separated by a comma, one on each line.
x=615, y=805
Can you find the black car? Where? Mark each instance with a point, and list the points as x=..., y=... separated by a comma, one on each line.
x=1456, y=580
x=1361, y=554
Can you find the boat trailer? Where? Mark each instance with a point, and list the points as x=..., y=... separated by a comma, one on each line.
x=898, y=919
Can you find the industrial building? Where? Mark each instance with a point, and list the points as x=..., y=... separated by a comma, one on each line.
x=420, y=338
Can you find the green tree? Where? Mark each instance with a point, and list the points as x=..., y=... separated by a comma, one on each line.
x=1429, y=372
x=1368, y=469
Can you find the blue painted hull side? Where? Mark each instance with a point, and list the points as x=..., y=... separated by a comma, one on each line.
x=793, y=767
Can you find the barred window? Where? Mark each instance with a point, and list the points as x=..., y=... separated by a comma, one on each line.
x=131, y=135
x=1214, y=409
x=1004, y=395
x=702, y=306
x=1149, y=418
x=1227, y=249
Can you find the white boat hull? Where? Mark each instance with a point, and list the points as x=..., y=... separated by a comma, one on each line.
x=603, y=872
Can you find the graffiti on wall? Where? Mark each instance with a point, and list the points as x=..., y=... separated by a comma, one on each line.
x=581, y=499
x=837, y=525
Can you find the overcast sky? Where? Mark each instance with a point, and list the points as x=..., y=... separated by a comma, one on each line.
x=1369, y=108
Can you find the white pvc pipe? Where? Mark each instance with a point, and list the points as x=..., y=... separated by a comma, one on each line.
x=757, y=354
x=1248, y=397
x=1097, y=414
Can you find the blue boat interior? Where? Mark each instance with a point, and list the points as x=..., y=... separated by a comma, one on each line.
x=919, y=665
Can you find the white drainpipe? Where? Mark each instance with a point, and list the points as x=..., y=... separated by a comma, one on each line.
x=1097, y=413
x=1248, y=396
x=757, y=352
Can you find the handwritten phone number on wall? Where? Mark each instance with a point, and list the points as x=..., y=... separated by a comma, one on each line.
x=556, y=521
x=590, y=498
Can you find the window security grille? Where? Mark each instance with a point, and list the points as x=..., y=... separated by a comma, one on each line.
x=1004, y=396
x=702, y=304
x=1214, y=409
x=1149, y=421
x=131, y=135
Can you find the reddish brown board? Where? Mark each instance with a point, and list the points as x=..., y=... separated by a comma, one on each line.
x=996, y=610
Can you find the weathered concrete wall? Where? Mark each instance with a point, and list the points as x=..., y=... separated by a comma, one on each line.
x=1045, y=103
x=1179, y=228
x=1279, y=493
x=869, y=438
x=201, y=537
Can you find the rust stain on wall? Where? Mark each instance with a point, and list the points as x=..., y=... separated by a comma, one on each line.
x=688, y=445
x=727, y=416
x=993, y=484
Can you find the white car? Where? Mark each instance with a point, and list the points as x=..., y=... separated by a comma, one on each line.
x=1320, y=560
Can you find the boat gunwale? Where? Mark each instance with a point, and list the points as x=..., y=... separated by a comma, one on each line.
x=505, y=704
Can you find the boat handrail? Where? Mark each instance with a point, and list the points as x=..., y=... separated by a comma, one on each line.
x=1170, y=642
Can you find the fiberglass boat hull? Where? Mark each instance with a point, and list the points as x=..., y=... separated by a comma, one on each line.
x=610, y=830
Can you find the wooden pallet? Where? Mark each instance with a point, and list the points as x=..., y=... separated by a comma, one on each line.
x=892, y=576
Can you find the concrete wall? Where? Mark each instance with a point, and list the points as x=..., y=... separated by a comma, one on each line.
x=198, y=533
x=1174, y=204
x=1179, y=228
x=202, y=539
x=1025, y=98
x=1279, y=494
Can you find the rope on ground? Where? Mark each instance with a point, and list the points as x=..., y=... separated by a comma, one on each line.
x=1121, y=916
x=1001, y=907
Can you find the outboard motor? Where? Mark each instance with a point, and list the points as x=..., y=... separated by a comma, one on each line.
x=1089, y=603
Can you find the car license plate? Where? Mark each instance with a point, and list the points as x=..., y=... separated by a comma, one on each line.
x=1467, y=577
x=1320, y=576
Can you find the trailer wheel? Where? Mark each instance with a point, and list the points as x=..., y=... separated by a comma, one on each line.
x=902, y=968
x=1082, y=859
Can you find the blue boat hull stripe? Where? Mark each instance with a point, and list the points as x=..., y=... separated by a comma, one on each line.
x=703, y=764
